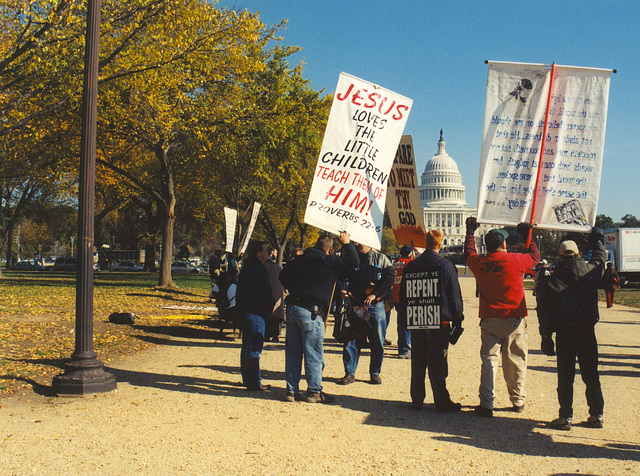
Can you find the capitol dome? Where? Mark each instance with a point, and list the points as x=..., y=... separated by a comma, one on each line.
x=441, y=182
x=443, y=198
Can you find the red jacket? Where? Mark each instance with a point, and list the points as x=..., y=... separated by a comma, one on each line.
x=499, y=276
x=398, y=269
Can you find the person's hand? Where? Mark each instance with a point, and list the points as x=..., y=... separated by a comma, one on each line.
x=523, y=229
x=472, y=225
x=547, y=346
x=369, y=299
x=344, y=237
x=597, y=235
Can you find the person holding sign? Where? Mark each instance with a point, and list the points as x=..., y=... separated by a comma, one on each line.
x=503, y=310
x=430, y=303
x=568, y=306
x=368, y=286
x=310, y=280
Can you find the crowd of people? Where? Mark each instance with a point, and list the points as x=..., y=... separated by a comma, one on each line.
x=426, y=294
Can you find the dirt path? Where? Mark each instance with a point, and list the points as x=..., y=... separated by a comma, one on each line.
x=179, y=409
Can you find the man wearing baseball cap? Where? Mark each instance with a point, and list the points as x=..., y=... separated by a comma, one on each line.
x=503, y=310
x=568, y=306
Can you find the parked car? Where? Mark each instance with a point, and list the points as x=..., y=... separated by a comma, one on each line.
x=66, y=263
x=27, y=266
x=47, y=262
x=70, y=263
x=184, y=267
x=126, y=266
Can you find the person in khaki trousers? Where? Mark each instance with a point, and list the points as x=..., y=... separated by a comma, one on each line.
x=503, y=312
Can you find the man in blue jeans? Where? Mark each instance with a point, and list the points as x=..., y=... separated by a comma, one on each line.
x=368, y=285
x=310, y=280
x=255, y=303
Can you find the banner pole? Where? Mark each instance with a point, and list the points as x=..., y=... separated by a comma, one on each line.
x=542, y=144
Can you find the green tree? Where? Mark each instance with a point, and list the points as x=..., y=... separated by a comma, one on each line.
x=629, y=221
x=147, y=116
x=604, y=222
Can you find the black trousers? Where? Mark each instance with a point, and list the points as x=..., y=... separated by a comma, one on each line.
x=579, y=342
x=429, y=351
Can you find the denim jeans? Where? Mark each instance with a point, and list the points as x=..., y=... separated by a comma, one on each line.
x=376, y=336
x=404, y=335
x=253, y=327
x=304, y=339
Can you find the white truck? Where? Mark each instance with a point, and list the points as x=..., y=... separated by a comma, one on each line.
x=623, y=250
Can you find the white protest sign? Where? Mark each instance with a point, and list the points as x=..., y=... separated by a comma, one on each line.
x=350, y=182
x=513, y=126
x=231, y=217
x=252, y=224
x=403, y=197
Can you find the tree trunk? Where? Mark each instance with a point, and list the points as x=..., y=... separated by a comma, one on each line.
x=150, y=256
x=168, y=207
x=167, y=250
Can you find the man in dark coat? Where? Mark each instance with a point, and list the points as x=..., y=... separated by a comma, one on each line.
x=255, y=303
x=310, y=280
x=568, y=306
x=431, y=303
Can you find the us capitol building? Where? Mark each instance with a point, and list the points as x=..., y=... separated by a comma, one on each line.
x=442, y=196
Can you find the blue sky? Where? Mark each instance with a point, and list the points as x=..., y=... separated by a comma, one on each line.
x=434, y=52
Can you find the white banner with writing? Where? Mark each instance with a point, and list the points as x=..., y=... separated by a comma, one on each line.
x=512, y=135
x=350, y=182
x=252, y=224
x=403, y=197
x=230, y=217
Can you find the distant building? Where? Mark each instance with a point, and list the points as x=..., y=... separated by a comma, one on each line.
x=442, y=196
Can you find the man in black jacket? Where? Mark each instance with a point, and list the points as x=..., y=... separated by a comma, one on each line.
x=430, y=304
x=310, y=280
x=568, y=306
x=255, y=303
x=369, y=284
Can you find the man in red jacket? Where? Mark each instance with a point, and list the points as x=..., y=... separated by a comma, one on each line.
x=404, y=336
x=503, y=312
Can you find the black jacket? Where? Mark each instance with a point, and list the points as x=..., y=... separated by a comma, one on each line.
x=253, y=295
x=310, y=278
x=374, y=274
x=570, y=295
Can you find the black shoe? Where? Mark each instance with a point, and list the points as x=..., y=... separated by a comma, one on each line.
x=561, y=423
x=376, y=380
x=448, y=408
x=415, y=406
x=319, y=398
x=386, y=342
x=260, y=388
x=293, y=397
x=347, y=379
x=483, y=412
x=518, y=408
x=595, y=421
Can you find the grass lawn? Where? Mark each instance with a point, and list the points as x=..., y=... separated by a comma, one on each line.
x=37, y=319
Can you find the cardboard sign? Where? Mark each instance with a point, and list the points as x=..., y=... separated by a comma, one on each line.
x=403, y=198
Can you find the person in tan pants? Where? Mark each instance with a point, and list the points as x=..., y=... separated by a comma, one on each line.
x=502, y=313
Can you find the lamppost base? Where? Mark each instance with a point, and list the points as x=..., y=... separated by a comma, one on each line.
x=82, y=377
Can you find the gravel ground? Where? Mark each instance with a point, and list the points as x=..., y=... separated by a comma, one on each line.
x=179, y=408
